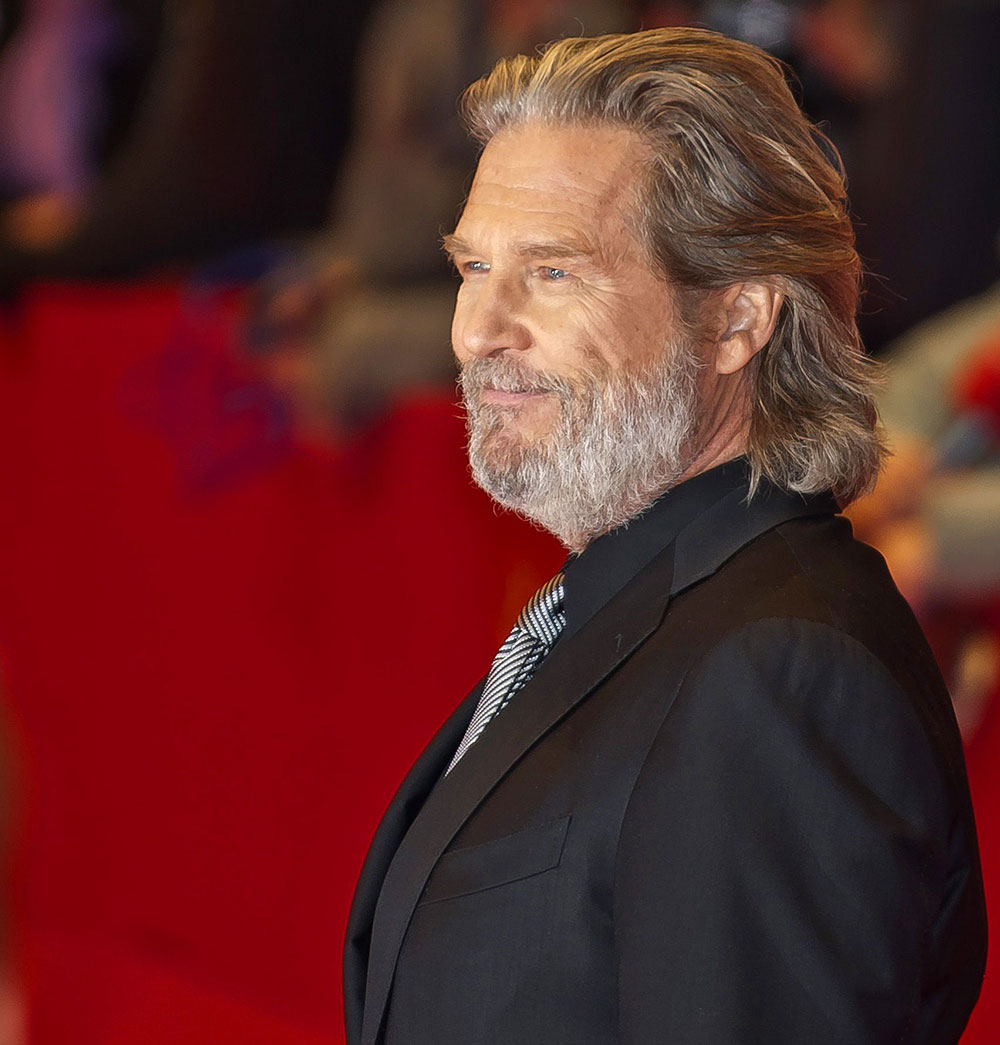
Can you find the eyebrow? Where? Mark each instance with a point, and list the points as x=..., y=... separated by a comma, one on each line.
x=454, y=245
x=555, y=249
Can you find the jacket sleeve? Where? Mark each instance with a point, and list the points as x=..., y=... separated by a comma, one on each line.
x=784, y=860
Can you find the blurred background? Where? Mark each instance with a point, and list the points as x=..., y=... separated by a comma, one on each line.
x=231, y=459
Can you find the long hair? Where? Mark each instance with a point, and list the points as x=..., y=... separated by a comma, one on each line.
x=740, y=187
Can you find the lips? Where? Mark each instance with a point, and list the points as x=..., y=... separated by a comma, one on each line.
x=502, y=382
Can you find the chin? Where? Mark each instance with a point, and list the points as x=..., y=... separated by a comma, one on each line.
x=503, y=460
x=507, y=436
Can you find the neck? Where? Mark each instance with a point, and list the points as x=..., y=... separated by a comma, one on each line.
x=710, y=456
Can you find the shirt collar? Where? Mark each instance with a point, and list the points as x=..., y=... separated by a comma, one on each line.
x=608, y=563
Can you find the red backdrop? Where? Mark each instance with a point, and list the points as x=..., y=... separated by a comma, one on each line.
x=222, y=649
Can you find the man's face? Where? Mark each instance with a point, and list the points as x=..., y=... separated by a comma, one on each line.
x=577, y=380
x=553, y=277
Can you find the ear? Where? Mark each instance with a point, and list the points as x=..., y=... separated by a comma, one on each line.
x=749, y=314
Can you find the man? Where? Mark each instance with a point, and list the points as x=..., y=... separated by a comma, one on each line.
x=711, y=790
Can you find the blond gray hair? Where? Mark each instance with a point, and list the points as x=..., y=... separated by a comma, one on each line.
x=741, y=187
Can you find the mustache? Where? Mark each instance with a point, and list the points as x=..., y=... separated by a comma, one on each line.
x=509, y=375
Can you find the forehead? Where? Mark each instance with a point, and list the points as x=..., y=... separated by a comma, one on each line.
x=577, y=179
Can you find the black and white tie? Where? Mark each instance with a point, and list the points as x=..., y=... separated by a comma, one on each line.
x=534, y=634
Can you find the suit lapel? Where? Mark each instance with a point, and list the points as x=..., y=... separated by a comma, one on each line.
x=572, y=671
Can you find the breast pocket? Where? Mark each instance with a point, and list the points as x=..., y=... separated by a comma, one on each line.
x=473, y=868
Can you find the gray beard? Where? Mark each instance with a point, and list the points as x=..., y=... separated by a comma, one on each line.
x=622, y=438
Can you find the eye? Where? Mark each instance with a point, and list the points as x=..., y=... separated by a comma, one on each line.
x=467, y=269
x=553, y=274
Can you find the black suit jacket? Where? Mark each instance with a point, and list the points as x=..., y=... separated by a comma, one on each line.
x=730, y=807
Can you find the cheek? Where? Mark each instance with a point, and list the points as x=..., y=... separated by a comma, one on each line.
x=645, y=333
x=622, y=336
x=642, y=316
x=577, y=334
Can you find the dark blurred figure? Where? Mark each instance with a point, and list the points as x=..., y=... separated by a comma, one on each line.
x=234, y=133
x=51, y=106
x=357, y=316
x=842, y=52
x=926, y=187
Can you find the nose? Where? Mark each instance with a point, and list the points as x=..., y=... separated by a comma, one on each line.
x=489, y=318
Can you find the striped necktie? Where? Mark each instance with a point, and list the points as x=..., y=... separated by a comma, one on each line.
x=534, y=634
